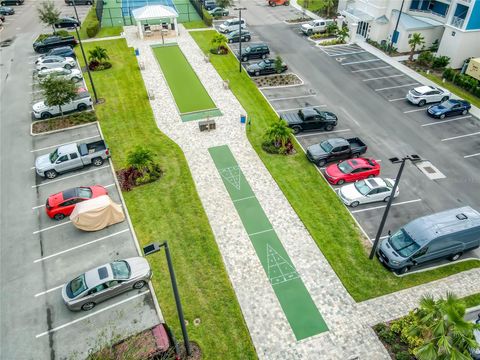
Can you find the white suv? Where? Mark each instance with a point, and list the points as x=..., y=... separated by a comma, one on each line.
x=231, y=25
x=51, y=62
x=80, y=103
x=427, y=94
x=72, y=74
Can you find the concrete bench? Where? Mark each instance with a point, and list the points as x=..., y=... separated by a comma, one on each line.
x=206, y=125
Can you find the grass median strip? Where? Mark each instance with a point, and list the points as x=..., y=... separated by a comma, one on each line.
x=325, y=217
x=170, y=209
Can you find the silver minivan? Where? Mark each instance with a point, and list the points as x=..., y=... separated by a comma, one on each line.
x=447, y=234
x=231, y=25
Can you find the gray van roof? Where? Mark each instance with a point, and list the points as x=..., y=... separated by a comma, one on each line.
x=429, y=227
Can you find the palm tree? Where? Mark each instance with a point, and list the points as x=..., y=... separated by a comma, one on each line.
x=343, y=34
x=98, y=54
x=445, y=333
x=327, y=5
x=279, y=133
x=416, y=40
x=140, y=159
x=219, y=41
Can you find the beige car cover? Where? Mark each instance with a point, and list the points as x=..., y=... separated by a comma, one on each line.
x=96, y=214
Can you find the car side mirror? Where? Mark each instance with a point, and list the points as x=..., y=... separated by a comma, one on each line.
x=389, y=233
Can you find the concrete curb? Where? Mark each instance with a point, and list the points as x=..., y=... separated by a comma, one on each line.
x=294, y=4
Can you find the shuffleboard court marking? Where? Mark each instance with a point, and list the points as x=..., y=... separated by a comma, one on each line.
x=296, y=302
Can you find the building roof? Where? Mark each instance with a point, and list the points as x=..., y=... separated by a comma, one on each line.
x=382, y=20
x=151, y=12
x=409, y=22
x=357, y=14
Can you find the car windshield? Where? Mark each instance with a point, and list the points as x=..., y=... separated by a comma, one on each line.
x=120, y=269
x=262, y=64
x=84, y=192
x=53, y=156
x=403, y=243
x=76, y=286
x=326, y=146
x=248, y=49
x=311, y=23
x=362, y=187
x=345, y=167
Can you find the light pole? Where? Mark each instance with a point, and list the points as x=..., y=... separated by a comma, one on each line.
x=154, y=247
x=75, y=8
x=240, y=35
x=86, y=63
x=396, y=27
x=394, y=160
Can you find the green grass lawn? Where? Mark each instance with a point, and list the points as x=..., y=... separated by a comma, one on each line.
x=170, y=209
x=453, y=88
x=472, y=300
x=325, y=217
x=186, y=87
x=195, y=25
x=318, y=6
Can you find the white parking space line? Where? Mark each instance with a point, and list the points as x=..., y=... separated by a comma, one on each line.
x=383, y=206
x=318, y=133
x=415, y=110
x=79, y=246
x=361, y=61
x=346, y=53
x=376, y=68
x=350, y=116
x=57, y=145
x=395, y=87
x=299, y=108
x=398, y=99
x=51, y=227
x=445, y=121
x=43, y=205
x=383, y=77
x=91, y=314
x=71, y=176
x=473, y=155
x=291, y=97
x=49, y=290
x=461, y=136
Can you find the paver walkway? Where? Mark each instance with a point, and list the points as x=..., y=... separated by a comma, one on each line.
x=349, y=334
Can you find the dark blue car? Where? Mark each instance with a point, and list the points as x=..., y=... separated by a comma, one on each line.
x=449, y=108
x=65, y=51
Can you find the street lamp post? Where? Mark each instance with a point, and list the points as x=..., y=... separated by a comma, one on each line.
x=76, y=13
x=240, y=36
x=396, y=27
x=149, y=249
x=395, y=160
x=86, y=63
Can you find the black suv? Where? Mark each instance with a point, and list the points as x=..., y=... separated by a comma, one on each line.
x=12, y=2
x=234, y=36
x=79, y=2
x=65, y=51
x=254, y=51
x=67, y=22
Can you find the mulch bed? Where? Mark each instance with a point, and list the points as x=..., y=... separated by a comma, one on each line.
x=59, y=123
x=277, y=80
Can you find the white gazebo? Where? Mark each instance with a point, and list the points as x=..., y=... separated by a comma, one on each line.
x=148, y=15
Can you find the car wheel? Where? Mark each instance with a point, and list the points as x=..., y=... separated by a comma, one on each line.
x=321, y=163
x=264, y=56
x=88, y=306
x=386, y=199
x=70, y=3
x=273, y=4
x=245, y=58
x=464, y=112
x=296, y=130
x=97, y=161
x=43, y=68
x=371, y=176
x=18, y=3
x=309, y=32
x=81, y=107
x=445, y=98
x=422, y=103
x=68, y=66
x=139, y=284
x=230, y=41
x=455, y=257
x=50, y=174
x=286, y=3
x=355, y=155
x=354, y=204
x=402, y=270
x=257, y=73
x=248, y=38
x=59, y=217
x=329, y=127
x=340, y=182
x=89, y=3
x=46, y=115
x=442, y=116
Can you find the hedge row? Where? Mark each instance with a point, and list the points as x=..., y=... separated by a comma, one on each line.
x=464, y=81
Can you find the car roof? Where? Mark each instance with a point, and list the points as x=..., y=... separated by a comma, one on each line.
x=424, y=89
x=98, y=275
x=374, y=183
x=359, y=162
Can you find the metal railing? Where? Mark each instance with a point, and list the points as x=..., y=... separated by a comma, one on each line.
x=457, y=22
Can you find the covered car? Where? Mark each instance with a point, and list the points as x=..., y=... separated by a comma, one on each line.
x=96, y=214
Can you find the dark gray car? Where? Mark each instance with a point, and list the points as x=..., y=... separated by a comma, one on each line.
x=105, y=282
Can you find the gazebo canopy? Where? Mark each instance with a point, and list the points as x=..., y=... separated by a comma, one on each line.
x=151, y=12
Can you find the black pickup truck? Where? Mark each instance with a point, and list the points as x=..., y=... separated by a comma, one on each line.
x=335, y=149
x=310, y=119
x=53, y=42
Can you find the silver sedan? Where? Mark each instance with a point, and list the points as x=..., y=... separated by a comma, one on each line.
x=105, y=282
x=367, y=191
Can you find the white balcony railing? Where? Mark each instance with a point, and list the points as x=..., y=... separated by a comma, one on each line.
x=457, y=22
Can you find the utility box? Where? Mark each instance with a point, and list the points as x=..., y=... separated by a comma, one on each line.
x=473, y=68
x=206, y=125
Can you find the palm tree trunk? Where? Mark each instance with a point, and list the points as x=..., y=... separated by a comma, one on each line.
x=411, y=54
x=54, y=31
x=61, y=111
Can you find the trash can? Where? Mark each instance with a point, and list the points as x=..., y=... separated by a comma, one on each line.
x=243, y=119
x=137, y=52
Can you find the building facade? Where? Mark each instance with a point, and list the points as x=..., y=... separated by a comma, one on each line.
x=451, y=25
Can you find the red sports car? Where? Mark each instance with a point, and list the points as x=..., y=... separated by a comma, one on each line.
x=62, y=204
x=352, y=170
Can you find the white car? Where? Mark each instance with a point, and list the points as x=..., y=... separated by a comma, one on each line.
x=51, y=62
x=44, y=111
x=68, y=74
x=316, y=26
x=427, y=94
x=367, y=191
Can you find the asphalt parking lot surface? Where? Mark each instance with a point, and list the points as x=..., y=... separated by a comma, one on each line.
x=368, y=96
x=39, y=255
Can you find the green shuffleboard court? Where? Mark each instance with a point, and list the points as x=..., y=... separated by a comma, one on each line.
x=193, y=101
x=295, y=300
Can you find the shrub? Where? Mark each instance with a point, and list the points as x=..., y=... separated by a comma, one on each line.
x=379, y=327
x=403, y=355
x=396, y=348
x=402, y=327
x=448, y=73
x=440, y=62
x=93, y=28
x=476, y=92
x=332, y=42
x=320, y=36
x=207, y=18
x=388, y=336
x=425, y=58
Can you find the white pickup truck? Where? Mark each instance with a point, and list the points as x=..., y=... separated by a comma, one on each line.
x=316, y=26
x=70, y=157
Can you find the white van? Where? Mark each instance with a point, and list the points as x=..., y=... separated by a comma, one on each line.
x=231, y=25
x=81, y=102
